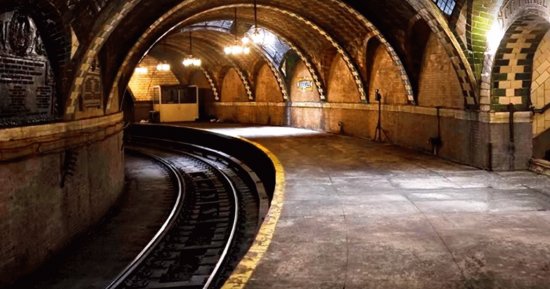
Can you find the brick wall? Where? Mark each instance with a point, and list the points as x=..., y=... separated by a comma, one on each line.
x=438, y=85
x=341, y=83
x=267, y=88
x=142, y=84
x=296, y=94
x=386, y=77
x=232, y=87
x=197, y=78
x=481, y=15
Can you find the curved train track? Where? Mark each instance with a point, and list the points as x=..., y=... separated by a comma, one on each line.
x=219, y=206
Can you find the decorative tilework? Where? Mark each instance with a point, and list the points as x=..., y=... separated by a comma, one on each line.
x=210, y=79
x=513, y=63
x=246, y=82
x=540, y=86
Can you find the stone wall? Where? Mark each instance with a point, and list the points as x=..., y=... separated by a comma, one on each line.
x=55, y=187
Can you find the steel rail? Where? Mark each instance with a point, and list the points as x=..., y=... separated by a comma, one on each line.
x=169, y=223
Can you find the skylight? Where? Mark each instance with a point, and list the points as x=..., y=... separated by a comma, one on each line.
x=447, y=6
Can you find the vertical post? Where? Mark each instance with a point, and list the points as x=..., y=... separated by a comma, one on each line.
x=378, y=132
x=511, y=143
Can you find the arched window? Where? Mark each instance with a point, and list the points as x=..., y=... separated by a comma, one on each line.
x=446, y=6
x=272, y=46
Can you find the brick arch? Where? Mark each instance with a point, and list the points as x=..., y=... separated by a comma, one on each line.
x=87, y=54
x=276, y=72
x=512, y=70
x=341, y=50
x=346, y=56
x=440, y=27
x=131, y=57
x=386, y=44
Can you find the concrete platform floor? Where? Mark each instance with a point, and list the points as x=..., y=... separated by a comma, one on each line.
x=358, y=214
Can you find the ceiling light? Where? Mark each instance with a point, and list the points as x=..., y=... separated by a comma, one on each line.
x=141, y=70
x=256, y=36
x=163, y=67
x=189, y=59
x=238, y=47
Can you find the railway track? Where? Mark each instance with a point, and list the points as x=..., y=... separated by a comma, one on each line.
x=219, y=206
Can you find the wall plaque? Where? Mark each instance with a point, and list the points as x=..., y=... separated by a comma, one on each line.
x=305, y=84
x=92, y=92
x=26, y=82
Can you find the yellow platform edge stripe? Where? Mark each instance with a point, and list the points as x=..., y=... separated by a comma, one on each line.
x=244, y=270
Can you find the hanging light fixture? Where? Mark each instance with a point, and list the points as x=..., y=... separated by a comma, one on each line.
x=141, y=70
x=256, y=35
x=190, y=60
x=238, y=47
x=163, y=66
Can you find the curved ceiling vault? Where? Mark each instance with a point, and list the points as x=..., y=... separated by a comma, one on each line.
x=317, y=28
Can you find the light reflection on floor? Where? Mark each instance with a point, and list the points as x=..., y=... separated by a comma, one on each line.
x=264, y=131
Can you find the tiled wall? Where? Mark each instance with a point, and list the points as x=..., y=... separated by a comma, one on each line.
x=513, y=65
x=540, y=87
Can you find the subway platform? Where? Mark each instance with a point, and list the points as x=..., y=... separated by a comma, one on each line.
x=358, y=214
x=352, y=214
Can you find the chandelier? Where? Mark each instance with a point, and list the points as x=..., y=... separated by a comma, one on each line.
x=141, y=70
x=238, y=47
x=189, y=60
x=257, y=37
x=163, y=66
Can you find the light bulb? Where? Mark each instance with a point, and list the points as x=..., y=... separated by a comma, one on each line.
x=142, y=70
x=163, y=67
x=257, y=37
